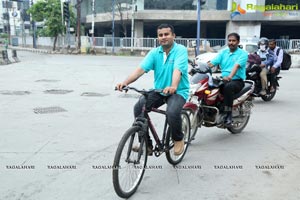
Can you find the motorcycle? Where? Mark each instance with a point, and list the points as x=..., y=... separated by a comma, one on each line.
x=252, y=73
x=205, y=104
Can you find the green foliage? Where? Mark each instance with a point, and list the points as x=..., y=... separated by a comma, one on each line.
x=49, y=12
x=3, y=35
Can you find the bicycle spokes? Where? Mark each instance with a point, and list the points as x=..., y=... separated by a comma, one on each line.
x=130, y=162
x=186, y=126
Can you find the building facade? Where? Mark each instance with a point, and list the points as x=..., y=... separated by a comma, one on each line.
x=252, y=18
x=14, y=19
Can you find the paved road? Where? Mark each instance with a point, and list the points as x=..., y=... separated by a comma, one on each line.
x=67, y=141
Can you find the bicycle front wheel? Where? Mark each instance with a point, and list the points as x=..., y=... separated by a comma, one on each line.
x=129, y=162
x=186, y=129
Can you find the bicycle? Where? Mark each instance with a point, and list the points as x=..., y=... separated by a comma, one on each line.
x=129, y=165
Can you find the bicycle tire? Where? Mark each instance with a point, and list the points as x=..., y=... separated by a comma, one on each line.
x=194, y=120
x=186, y=129
x=127, y=161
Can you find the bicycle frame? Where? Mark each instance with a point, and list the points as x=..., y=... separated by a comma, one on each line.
x=160, y=143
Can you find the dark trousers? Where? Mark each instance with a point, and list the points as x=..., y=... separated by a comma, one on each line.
x=273, y=76
x=229, y=90
x=174, y=102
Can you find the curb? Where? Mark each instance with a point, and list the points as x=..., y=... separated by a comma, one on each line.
x=30, y=49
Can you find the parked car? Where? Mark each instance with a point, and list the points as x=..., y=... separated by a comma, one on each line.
x=250, y=47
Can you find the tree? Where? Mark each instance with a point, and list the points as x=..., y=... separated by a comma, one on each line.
x=49, y=12
x=122, y=11
x=124, y=16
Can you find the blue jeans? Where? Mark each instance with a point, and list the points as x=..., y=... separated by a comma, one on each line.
x=174, y=102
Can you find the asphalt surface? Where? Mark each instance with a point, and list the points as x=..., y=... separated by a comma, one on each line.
x=61, y=122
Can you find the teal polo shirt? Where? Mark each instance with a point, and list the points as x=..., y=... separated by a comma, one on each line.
x=226, y=60
x=163, y=70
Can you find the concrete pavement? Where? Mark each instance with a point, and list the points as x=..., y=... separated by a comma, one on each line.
x=61, y=122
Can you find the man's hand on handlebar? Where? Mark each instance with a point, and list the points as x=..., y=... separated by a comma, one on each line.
x=120, y=86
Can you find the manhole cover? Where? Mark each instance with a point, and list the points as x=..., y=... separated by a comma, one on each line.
x=7, y=92
x=93, y=94
x=45, y=110
x=57, y=91
x=47, y=80
x=135, y=96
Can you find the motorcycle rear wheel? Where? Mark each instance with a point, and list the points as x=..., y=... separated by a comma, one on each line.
x=244, y=116
x=270, y=95
x=239, y=127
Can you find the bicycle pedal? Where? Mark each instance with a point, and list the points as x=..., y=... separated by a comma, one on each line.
x=137, y=148
x=157, y=153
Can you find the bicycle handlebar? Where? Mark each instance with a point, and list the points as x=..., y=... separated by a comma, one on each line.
x=143, y=91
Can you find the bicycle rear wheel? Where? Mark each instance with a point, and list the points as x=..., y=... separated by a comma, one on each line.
x=195, y=121
x=186, y=129
x=129, y=162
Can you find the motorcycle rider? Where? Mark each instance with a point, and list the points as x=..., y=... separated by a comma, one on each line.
x=232, y=62
x=267, y=59
x=278, y=57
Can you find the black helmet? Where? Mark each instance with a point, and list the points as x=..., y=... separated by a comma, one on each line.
x=263, y=43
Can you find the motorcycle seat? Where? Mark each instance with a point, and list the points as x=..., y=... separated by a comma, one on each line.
x=245, y=89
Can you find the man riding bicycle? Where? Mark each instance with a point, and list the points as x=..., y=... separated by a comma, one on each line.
x=169, y=62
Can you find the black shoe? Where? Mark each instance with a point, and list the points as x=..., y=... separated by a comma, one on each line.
x=228, y=120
